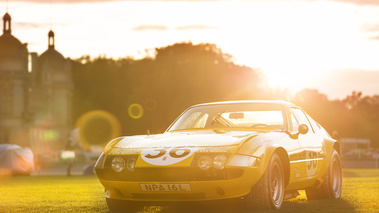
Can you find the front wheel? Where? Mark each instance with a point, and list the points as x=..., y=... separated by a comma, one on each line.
x=268, y=193
x=331, y=188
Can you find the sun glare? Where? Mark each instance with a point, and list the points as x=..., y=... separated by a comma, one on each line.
x=290, y=41
x=293, y=43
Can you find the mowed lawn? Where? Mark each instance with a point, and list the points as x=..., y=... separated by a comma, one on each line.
x=85, y=194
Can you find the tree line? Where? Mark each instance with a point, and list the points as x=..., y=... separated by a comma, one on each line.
x=149, y=93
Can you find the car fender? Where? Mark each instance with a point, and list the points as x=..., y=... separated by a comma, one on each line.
x=274, y=148
x=329, y=145
x=264, y=152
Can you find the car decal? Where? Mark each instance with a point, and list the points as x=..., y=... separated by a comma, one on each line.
x=312, y=161
x=163, y=156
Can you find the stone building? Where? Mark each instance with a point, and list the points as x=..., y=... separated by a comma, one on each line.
x=35, y=94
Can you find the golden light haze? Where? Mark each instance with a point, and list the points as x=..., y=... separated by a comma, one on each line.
x=296, y=44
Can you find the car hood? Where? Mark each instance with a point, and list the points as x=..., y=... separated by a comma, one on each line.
x=206, y=138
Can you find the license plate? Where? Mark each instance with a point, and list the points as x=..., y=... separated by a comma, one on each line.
x=167, y=187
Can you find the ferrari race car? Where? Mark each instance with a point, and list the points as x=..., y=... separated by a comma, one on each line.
x=260, y=152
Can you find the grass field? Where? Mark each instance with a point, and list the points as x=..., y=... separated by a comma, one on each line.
x=85, y=194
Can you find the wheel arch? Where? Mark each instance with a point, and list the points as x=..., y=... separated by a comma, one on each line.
x=337, y=147
x=329, y=145
x=283, y=155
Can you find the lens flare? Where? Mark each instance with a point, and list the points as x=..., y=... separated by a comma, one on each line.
x=50, y=135
x=135, y=111
x=151, y=104
x=97, y=127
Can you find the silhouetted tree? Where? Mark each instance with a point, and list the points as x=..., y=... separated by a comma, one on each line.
x=356, y=116
x=184, y=74
x=179, y=76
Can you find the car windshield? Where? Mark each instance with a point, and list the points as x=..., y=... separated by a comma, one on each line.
x=237, y=115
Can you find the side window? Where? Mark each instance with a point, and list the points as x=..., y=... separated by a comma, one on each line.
x=301, y=117
x=315, y=125
x=295, y=124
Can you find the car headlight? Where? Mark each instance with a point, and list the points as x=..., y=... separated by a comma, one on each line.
x=118, y=164
x=219, y=161
x=130, y=164
x=205, y=162
x=244, y=161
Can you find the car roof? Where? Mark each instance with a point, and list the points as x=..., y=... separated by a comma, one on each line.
x=279, y=102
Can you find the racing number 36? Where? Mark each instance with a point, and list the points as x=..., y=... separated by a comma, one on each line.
x=167, y=156
x=175, y=153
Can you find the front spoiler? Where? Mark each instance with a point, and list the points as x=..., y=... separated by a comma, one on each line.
x=200, y=190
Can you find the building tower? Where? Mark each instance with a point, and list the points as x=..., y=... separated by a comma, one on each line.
x=13, y=85
x=50, y=98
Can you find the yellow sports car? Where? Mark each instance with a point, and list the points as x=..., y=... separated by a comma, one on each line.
x=260, y=152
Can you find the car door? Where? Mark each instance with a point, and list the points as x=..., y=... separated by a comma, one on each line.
x=311, y=144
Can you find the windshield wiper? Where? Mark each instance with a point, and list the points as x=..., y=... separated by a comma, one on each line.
x=222, y=120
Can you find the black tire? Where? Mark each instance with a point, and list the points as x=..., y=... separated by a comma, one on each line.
x=331, y=187
x=268, y=193
x=121, y=206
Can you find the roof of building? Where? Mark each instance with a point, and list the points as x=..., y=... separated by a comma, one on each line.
x=51, y=55
x=10, y=45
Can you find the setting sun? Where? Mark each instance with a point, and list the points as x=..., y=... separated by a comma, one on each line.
x=292, y=42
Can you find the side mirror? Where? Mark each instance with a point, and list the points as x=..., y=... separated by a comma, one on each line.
x=303, y=129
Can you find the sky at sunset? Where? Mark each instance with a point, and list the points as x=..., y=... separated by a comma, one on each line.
x=329, y=45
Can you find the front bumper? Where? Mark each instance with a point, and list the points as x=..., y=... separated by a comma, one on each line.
x=212, y=184
x=199, y=190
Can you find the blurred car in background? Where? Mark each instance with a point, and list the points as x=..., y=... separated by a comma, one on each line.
x=259, y=152
x=15, y=160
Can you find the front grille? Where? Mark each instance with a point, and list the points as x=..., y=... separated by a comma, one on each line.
x=166, y=174
x=169, y=174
